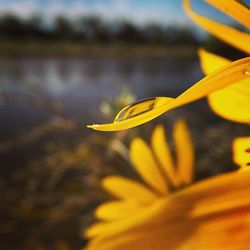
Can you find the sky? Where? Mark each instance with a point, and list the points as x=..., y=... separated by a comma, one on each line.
x=138, y=11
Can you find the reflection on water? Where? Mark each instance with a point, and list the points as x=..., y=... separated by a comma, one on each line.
x=81, y=84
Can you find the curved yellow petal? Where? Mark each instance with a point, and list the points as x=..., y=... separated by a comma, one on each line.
x=97, y=229
x=146, y=165
x=184, y=151
x=217, y=232
x=211, y=62
x=156, y=108
x=163, y=154
x=128, y=189
x=229, y=74
x=212, y=214
x=241, y=151
x=118, y=226
x=234, y=9
x=232, y=102
x=114, y=210
x=234, y=37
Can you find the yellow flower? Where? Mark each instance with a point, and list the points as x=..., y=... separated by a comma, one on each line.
x=167, y=212
x=231, y=102
x=222, y=73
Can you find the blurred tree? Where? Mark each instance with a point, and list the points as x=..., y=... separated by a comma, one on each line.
x=154, y=34
x=34, y=26
x=11, y=26
x=94, y=29
x=128, y=32
x=181, y=35
x=63, y=28
x=186, y=36
x=211, y=43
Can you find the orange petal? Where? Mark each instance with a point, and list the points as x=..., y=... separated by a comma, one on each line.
x=212, y=214
x=234, y=9
x=234, y=37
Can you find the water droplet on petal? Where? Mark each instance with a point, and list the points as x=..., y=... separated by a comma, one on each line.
x=141, y=107
x=247, y=70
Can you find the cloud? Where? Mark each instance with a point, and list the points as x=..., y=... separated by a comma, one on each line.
x=23, y=7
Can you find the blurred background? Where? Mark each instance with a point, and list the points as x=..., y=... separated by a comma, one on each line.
x=68, y=63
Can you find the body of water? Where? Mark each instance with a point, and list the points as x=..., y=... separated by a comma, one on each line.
x=82, y=84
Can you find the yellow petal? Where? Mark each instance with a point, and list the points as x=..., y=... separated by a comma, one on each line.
x=120, y=226
x=241, y=151
x=211, y=62
x=136, y=219
x=96, y=229
x=163, y=154
x=231, y=73
x=123, y=120
x=212, y=214
x=234, y=9
x=146, y=165
x=232, y=102
x=128, y=189
x=234, y=37
x=116, y=210
x=229, y=232
x=184, y=151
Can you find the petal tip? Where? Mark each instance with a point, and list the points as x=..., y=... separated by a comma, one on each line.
x=93, y=126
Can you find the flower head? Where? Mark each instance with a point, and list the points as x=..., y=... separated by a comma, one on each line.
x=160, y=172
x=167, y=211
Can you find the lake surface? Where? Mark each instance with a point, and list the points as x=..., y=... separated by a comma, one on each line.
x=82, y=84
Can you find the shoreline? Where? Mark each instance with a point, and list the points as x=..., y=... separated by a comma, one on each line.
x=56, y=49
